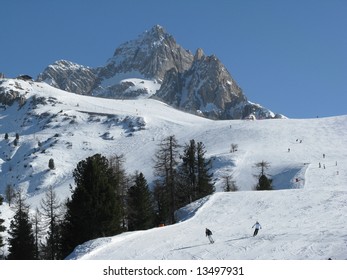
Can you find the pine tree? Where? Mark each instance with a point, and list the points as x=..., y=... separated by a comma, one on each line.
x=51, y=164
x=194, y=176
x=187, y=175
x=140, y=205
x=161, y=200
x=51, y=215
x=93, y=210
x=2, y=227
x=6, y=136
x=21, y=241
x=264, y=183
x=165, y=167
x=116, y=164
x=204, y=177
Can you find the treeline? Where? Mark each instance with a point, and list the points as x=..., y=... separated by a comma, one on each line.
x=106, y=200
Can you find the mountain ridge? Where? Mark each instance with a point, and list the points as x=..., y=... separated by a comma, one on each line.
x=155, y=66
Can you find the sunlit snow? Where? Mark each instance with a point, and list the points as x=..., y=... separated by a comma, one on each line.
x=304, y=218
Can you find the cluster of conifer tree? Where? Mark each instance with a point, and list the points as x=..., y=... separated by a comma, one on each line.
x=106, y=201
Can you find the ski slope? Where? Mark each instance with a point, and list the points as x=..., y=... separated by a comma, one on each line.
x=304, y=218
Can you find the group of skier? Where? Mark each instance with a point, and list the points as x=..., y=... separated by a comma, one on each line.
x=256, y=227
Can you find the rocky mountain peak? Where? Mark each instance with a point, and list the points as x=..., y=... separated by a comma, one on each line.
x=152, y=54
x=157, y=32
x=199, y=54
x=154, y=65
x=69, y=76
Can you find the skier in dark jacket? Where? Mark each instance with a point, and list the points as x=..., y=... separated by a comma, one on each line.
x=209, y=235
x=257, y=227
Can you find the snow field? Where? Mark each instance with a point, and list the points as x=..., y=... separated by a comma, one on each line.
x=303, y=219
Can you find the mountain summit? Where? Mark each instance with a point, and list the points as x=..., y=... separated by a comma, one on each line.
x=154, y=65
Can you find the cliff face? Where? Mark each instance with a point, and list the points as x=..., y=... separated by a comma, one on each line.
x=207, y=88
x=152, y=54
x=70, y=77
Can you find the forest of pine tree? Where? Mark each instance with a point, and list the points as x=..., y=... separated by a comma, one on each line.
x=106, y=201
x=195, y=179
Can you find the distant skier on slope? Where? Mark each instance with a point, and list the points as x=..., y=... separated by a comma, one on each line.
x=257, y=227
x=209, y=235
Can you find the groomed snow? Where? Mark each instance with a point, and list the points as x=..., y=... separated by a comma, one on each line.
x=305, y=218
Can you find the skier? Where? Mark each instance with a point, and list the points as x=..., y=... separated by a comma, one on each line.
x=209, y=235
x=257, y=227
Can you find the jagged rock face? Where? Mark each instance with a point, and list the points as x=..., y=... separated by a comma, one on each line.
x=69, y=76
x=9, y=95
x=154, y=65
x=152, y=54
x=207, y=88
x=148, y=57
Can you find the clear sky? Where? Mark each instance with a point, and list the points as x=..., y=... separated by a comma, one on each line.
x=289, y=56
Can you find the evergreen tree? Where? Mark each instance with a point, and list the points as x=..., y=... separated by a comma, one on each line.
x=204, y=177
x=6, y=136
x=21, y=241
x=264, y=183
x=165, y=167
x=116, y=164
x=51, y=164
x=2, y=227
x=187, y=175
x=161, y=199
x=140, y=205
x=93, y=210
x=51, y=215
x=194, y=176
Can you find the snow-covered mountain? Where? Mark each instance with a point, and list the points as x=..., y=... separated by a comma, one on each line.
x=70, y=77
x=208, y=88
x=154, y=65
x=135, y=70
x=304, y=218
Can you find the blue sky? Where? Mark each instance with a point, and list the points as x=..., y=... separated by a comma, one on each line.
x=289, y=56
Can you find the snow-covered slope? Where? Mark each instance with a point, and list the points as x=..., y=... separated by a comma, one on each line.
x=303, y=219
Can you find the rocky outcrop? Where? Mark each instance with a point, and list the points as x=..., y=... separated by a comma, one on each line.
x=10, y=94
x=154, y=65
x=151, y=55
x=70, y=77
x=207, y=88
x=148, y=57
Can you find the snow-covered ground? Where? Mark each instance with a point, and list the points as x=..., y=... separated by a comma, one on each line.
x=304, y=218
